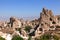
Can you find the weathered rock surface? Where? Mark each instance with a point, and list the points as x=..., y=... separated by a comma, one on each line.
x=15, y=23
x=47, y=23
x=46, y=17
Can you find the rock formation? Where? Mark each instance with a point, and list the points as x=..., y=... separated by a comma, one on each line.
x=46, y=19
x=15, y=23
x=47, y=23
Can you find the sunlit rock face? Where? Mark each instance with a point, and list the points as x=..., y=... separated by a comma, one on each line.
x=46, y=16
x=15, y=23
x=6, y=36
x=48, y=21
x=57, y=19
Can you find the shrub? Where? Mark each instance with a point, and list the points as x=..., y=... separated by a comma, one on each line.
x=18, y=29
x=45, y=37
x=2, y=38
x=27, y=28
x=48, y=37
x=29, y=38
x=16, y=37
x=55, y=37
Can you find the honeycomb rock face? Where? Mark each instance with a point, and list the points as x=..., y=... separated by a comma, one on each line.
x=46, y=18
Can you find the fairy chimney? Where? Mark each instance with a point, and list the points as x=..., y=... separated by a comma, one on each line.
x=15, y=23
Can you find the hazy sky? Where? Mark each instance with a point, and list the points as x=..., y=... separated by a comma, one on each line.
x=27, y=8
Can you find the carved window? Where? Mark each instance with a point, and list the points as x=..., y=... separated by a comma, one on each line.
x=58, y=18
x=41, y=24
x=40, y=29
x=53, y=22
x=50, y=19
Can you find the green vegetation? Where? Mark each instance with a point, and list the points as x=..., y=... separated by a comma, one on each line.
x=38, y=38
x=27, y=28
x=48, y=37
x=55, y=37
x=45, y=37
x=29, y=38
x=18, y=29
x=16, y=37
x=2, y=38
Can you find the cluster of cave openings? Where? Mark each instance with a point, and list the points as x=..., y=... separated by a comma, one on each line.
x=53, y=22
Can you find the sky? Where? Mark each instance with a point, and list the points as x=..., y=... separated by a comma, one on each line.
x=27, y=8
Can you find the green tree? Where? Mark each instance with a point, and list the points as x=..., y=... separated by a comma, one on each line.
x=27, y=28
x=2, y=38
x=16, y=37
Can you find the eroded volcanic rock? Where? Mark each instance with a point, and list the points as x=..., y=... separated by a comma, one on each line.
x=15, y=23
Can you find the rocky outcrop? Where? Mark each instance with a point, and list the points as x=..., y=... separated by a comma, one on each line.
x=46, y=23
x=46, y=17
x=15, y=23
